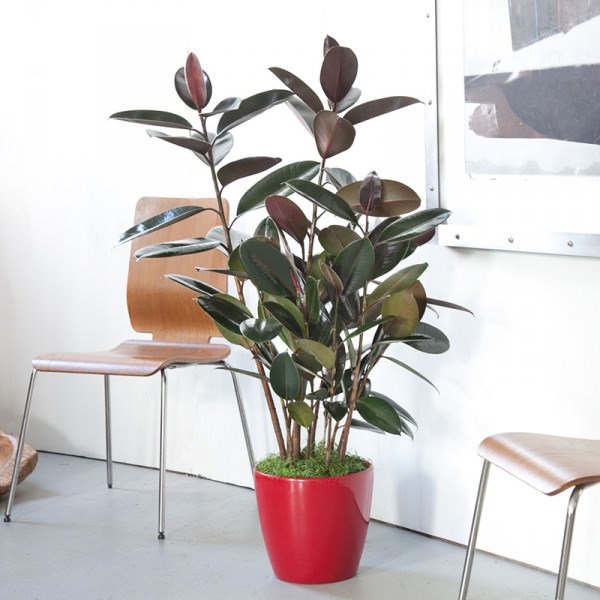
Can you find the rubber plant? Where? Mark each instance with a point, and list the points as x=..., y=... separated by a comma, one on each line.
x=329, y=261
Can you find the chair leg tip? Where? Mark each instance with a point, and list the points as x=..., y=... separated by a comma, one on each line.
x=109, y=486
x=161, y=535
x=7, y=518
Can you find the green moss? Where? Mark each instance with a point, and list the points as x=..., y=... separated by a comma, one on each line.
x=312, y=466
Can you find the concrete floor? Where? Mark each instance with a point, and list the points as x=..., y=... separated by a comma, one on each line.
x=72, y=538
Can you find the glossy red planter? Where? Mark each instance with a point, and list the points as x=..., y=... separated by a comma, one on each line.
x=314, y=528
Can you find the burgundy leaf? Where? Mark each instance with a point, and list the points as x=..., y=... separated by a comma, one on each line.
x=370, y=192
x=194, y=77
x=338, y=72
x=333, y=134
x=245, y=167
x=375, y=108
x=329, y=43
x=288, y=216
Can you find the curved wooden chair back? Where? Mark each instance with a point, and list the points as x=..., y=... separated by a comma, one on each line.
x=158, y=305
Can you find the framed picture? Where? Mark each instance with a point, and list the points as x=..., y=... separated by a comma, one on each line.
x=530, y=114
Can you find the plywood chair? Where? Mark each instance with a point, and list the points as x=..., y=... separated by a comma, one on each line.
x=181, y=331
x=550, y=464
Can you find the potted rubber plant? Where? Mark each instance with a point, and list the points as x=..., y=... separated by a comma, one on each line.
x=335, y=286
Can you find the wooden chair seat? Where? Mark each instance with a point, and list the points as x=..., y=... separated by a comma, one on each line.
x=548, y=463
x=132, y=357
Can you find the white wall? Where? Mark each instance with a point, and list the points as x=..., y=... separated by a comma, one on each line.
x=68, y=185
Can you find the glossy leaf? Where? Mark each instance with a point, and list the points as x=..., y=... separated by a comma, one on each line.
x=284, y=376
x=354, y=265
x=195, y=284
x=226, y=310
x=378, y=412
x=288, y=314
x=268, y=269
x=260, y=330
x=225, y=105
x=397, y=282
x=333, y=134
x=236, y=236
x=288, y=216
x=221, y=147
x=445, y=304
x=396, y=198
x=177, y=248
x=233, y=338
x=348, y=100
x=401, y=412
x=276, y=183
x=182, y=89
x=305, y=115
x=168, y=217
x=337, y=410
x=338, y=72
x=188, y=142
x=414, y=225
x=339, y=178
x=411, y=370
x=333, y=279
x=324, y=354
x=244, y=167
x=251, y=107
x=375, y=108
x=267, y=229
x=301, y=413
x=301, y=89
x=244, y=372
x=155, y=118
x=436, y=342
x=194, y=77
x=357, y=424
x=336, y=237
x=403, y=312
x=388, y=255
x=323, y=197
x=328, y=43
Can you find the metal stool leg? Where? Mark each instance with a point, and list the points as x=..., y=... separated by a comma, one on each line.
x=242, y=411
x=161, y=463
x=466, y=575
x=20, y=445
x=566, y=545
x=109, y=469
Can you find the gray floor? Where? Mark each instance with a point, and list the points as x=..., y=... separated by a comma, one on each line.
x=71, y=537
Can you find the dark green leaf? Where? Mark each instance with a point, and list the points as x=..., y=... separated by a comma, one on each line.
x=251, y=107
x=339, y=178
x=194, y=284
x=190, y=143
x=397, y=282
x=411, y=370
x=275, y=183
x=244, y=372
x=268, y=269
x=226, y=310
x=338, y=72
x=333, y=134
x=448, y=305
x=357, y=424
x=291, y=319
x=288, y=216
x=332, y=278
x=323, y=198
x=285, y=379
x=260, y=330
x=436, y=342
x=388, y=255
x=375, y=108
x=177, y=248
x=303, y=91
x=301, y=413
x=414, y=225
x=155, y=118
x=267, y=229
x=378, y=412
x=221, y=146
x=354, y=265
x=245, y=167
x=337, y=410
x=159, y=221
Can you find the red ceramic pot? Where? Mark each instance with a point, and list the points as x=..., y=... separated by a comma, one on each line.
x=314, y=528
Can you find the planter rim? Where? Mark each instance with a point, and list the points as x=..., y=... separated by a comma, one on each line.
x=269, y=476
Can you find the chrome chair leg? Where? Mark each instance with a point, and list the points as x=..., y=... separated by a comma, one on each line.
x=566, y=545
x=109, y=469
x=20, y=446
x=466, y=575
x=161, y=460
x=242, y=411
